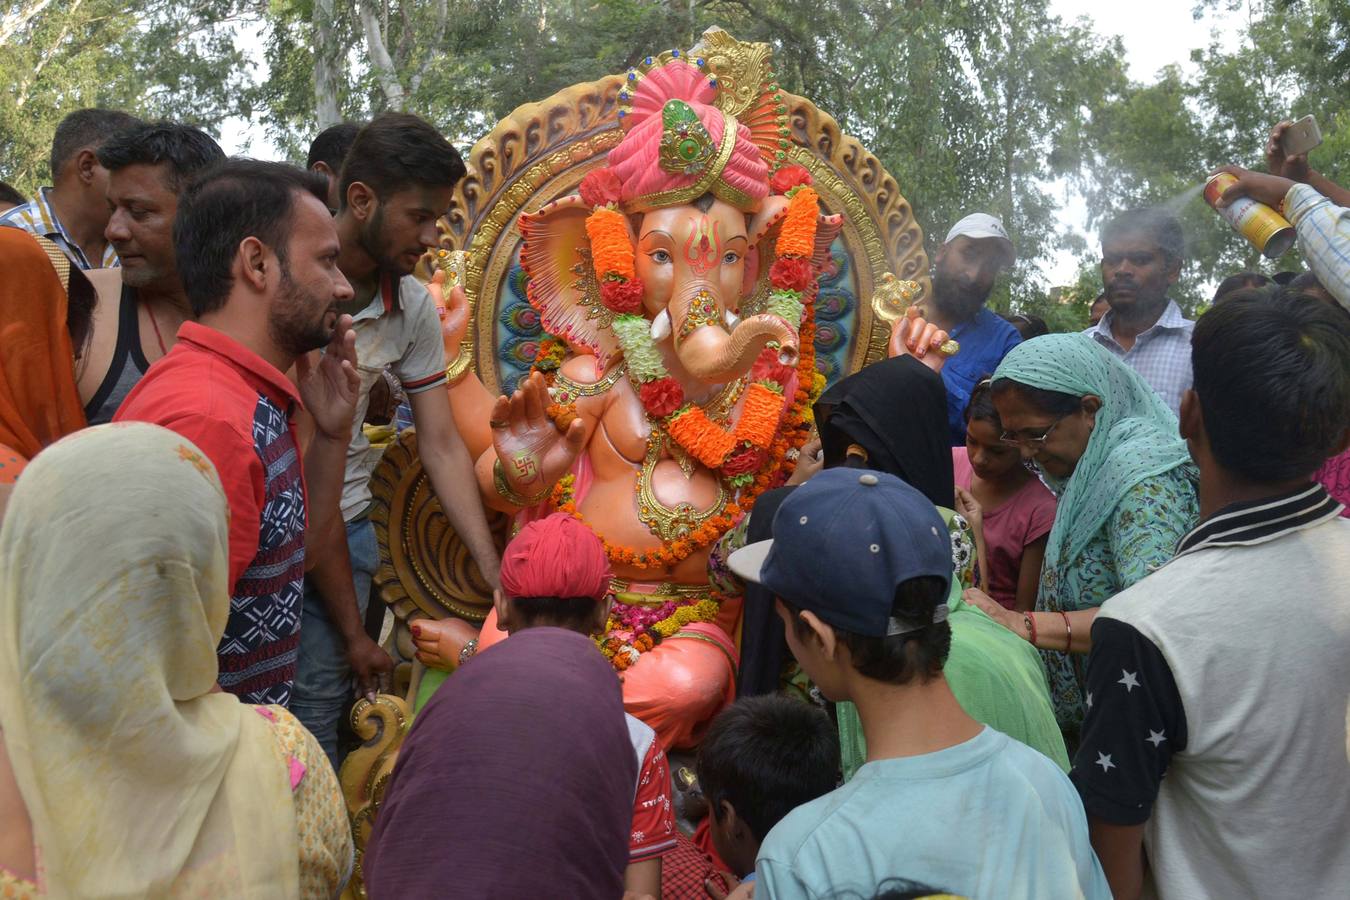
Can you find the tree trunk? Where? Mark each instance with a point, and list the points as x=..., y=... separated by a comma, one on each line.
x=327, y=57
x=433, y=49
x=18, y=18
x=385, y=73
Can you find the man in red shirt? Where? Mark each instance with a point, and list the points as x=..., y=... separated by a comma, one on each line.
x=257, y=254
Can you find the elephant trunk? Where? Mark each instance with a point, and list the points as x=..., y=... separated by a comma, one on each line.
x=712, y=355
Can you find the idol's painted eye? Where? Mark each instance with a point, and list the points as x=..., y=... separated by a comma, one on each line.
x=730, y=258
x=660, y=257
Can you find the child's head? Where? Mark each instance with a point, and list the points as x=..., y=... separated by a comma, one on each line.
x=916, y=652
x=554, y=573
x=887, y=621
x=991, y=459
x=762, y=758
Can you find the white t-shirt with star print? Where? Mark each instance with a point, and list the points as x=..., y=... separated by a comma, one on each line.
x=1228, y=671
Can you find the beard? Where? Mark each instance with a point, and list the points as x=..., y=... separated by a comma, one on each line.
x=379, y=246
x=960, y=302
x=297, y=323
x=147, y=275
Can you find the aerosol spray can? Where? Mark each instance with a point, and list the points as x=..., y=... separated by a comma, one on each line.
x=1268, y=231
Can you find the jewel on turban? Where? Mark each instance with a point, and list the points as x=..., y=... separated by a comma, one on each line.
x=679, y=146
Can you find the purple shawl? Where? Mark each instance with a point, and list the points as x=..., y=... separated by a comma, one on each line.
x=516, y=780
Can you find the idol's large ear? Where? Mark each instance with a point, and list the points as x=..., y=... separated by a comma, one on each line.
x=763, y=230
x=556, y=257
x=770, y=213
x=762, y=224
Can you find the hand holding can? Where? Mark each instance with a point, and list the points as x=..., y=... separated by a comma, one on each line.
x=1247, y=201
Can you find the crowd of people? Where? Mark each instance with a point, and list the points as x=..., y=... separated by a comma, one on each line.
x=1066, y=618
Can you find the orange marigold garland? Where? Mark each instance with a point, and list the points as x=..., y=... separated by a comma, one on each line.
x=798, y=234
x=550, y=353
x=750, y=457
x=700, y=437
x=739, y=453
x=611, y=247
x=795, y=430
x=761, y=414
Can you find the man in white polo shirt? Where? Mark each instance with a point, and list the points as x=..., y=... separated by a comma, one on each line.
x=1227, y=670
x=397, y=180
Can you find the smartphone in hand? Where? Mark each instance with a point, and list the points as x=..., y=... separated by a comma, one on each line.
x=1301, y=137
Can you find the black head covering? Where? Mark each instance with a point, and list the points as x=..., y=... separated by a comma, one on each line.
x=763, y=647
x=896, y=410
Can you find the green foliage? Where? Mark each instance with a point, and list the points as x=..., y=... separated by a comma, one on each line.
x=153, y=59
x=991, y=105
x=1157, y=143
x=971, y=105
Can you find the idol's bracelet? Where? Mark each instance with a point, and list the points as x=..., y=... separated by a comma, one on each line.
x=505, y=491
x=456, y=370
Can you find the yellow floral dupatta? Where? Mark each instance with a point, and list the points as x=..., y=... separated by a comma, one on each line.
x=139, y=781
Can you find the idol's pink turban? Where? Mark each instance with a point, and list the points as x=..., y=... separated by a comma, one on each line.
x=679, y=96
x=555, y=556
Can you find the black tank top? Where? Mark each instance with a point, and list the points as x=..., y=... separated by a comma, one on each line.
x=128, y=363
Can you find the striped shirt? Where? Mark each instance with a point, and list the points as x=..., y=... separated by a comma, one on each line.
x=1323, y=238
x=37, y=217
x=1161, y=355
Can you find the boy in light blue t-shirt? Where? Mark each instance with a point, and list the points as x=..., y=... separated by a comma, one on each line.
x=861, y=565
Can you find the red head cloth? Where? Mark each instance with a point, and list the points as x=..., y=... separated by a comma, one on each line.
x=555, y=556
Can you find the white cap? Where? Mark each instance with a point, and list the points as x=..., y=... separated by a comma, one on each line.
x=978, y=226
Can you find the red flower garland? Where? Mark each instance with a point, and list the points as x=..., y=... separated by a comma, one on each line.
x=789, y=177
x=601, y=188
x=662, y=396
x=790, y=273
x=743, y=461
x=623, y=296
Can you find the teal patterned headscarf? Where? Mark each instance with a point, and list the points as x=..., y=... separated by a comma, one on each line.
x=1135, y=436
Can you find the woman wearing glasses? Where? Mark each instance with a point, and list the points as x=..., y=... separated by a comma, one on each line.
x=1108, y=448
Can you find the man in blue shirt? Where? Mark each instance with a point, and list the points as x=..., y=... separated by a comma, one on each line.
x=964, y=268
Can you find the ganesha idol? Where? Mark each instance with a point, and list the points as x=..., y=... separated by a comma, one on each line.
x=678, y=286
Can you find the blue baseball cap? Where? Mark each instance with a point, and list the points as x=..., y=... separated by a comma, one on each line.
x=843, y=542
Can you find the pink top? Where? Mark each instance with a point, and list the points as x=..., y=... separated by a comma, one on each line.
x=1335, y=477
x=1022, y=519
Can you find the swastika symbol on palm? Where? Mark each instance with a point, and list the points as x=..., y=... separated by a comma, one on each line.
x=525, y=467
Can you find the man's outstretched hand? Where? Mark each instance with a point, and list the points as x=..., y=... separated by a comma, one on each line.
x=1294, y=168
x=453, y=309
x=371, y=666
